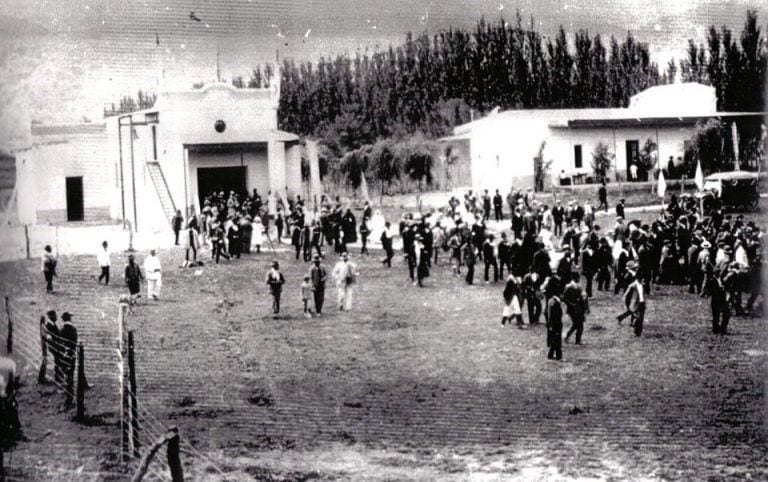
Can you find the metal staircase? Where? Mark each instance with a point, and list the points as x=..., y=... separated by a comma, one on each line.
x=161, y=187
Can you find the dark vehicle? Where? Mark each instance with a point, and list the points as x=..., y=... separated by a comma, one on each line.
x=735, y=190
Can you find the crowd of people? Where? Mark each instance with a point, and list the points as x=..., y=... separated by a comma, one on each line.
x=551, y=260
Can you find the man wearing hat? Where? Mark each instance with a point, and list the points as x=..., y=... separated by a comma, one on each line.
x=318, y=277
x=346, y=277
x=558, y=213
x=634, y=300
x=620, y=208
x=717, y=291
x=49, y=334
x=576, y=306
x=275, y=281
x=68, y=346
x=554, y=320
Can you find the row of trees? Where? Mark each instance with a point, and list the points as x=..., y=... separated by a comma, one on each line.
x=736, y=68
x=432, y=82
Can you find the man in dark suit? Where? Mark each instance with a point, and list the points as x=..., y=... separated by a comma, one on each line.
x=554, y=321
x=517, y=223
x=469, y=259
x=541, y=261
x=68, y=346
x=505, y=260
x=498, y=202
x=489, y=258
x=486, y=205
x=721, y=310
x=318, y=277
x=620, y=209
x=576, y=306
x=531, y=285
x=558, y=214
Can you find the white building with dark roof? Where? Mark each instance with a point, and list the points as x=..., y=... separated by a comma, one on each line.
x=502, y=145
x=140, y=167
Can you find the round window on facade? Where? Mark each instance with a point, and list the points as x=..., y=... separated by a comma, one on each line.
x=220, y=126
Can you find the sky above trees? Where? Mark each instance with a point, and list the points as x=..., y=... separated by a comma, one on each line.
x=64, y=59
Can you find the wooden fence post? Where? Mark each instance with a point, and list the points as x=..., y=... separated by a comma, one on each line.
x=9, y=340
x=42, y=373
x=122, y=309
x=174, y=461
x=80, y=416
x=134, y=415
x=69, y=396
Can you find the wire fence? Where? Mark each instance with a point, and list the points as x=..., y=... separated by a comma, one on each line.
x=44, y=353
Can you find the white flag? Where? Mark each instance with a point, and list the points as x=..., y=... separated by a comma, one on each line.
x=699, y=176
x=661, y=188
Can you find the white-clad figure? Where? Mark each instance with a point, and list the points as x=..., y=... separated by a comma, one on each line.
x=257, y=238
x=547, y=238
x=377, y=225
x=346, y=277
x=271, y=204
x=618, y=246
x=153, y=274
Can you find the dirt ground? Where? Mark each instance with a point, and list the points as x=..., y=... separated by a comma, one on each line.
x=412, y=384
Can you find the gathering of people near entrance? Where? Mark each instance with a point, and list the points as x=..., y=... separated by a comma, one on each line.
x=548, y=261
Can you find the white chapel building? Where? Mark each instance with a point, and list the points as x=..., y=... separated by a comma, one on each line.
x=501, y=146
x=140, y=167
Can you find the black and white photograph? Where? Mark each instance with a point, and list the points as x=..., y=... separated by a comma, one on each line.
x=404, y=240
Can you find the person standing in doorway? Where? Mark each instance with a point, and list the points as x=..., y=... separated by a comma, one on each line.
x=346, y=278
x=103, y=258
x=49, y=268
x=154, y=275
x=275, y=281
x=176, y=222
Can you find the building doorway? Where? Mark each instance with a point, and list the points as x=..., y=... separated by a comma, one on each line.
x=633, y=158
x=216, y=179
x=75, y=209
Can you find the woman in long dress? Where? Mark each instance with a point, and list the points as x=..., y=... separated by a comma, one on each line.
x=257, y=236
x=377, y=225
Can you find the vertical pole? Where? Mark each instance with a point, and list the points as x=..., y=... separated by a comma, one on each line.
x=134, y=435
x=174, y=461
x=122, y=308
x=69, y=360
x=26, y=239
x=80, y=383
x=41, y=375
x=9, y=340
x=122, y=183
x=133, y=177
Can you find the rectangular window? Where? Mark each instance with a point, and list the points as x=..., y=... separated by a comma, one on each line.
x=577, y=160
x=154, y=142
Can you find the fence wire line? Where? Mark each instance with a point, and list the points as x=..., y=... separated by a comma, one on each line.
x=25, y=337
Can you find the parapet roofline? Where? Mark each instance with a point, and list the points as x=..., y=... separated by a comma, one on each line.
x=83, y=128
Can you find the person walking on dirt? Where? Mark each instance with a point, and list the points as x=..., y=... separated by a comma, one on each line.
x=346, y=278
x=554, y=321
x=133, y=278
x=154, y=275
x=275, y=281
x=318, y=277
x=577, y=307
x=602, y=197
x=49, y=268
x=103, y=259
x=634, y=300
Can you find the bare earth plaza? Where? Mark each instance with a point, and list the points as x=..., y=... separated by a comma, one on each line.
x=349, y=241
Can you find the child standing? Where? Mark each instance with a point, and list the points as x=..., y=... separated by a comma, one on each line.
x=306, y=294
